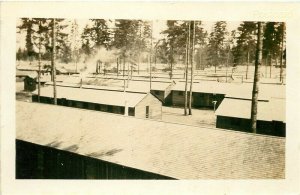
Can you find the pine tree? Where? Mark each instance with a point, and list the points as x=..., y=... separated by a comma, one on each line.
x=131, y=37
x=85, y=38
x=27, y=24
x=245, y=43
x=216, y=45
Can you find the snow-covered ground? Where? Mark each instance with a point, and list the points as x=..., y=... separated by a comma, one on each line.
x=205, y=118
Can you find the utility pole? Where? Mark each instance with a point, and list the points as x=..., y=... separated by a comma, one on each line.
x=123, y=65
x=117, y=67
x=192, y=68
x=186, y=68
x=258, y=60
x=248, y=56
x=53, y=61
x=227, y=62
x=151, y=54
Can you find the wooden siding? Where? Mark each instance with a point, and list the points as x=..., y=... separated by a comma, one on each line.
x=199, y=100
x=79, y=104
x=155, y=107
x=41, y=162
x=178, y=98
x=263, y=127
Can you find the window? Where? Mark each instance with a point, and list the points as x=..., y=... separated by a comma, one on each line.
x=180, y=93
x=130, y=111
x=147, y=111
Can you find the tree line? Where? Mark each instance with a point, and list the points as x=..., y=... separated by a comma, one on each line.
x=132, y=39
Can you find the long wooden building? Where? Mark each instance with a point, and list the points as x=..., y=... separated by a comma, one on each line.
x=235, y=114
x=160, y=89
x=141, y=105
x=235, y=111
x=56, y=142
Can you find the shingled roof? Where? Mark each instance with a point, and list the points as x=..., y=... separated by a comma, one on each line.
x=177, y=151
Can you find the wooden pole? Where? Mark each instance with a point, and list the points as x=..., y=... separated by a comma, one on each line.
x=192, y=69
x=150, y=61
x=258, y=59
x=53, y=61
x=127, y=75
x=248, y=56
x=227, y=63
x=117, y=67
x=124, y=65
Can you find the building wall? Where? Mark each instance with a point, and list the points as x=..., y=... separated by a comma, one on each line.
x=178, y=98
x=79, y=104
x=199, y=100
x=41, y=162
x=155, y=107
x=274, y=128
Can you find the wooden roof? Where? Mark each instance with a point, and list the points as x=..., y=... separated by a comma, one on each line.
x=177, y=151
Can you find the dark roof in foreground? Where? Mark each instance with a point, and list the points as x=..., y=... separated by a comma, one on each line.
x=177, y=151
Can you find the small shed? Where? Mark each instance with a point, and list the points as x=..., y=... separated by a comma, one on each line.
x=21, y=74
x=29, y=79
x=29, y=83
x=141, y=105
x=235, y=114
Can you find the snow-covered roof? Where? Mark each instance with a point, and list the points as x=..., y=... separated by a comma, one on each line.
x=116, y=84
x=173, y=150
x=235, y=90
x=115, y=98
x=273, y=110
x=266, y=91
x=23, y=73
x=209, y=87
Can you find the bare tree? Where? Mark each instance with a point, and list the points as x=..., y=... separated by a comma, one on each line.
x=186, y=68
x=39, y=72
x=192, y=69
x=258, y=60
x=281, y=52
